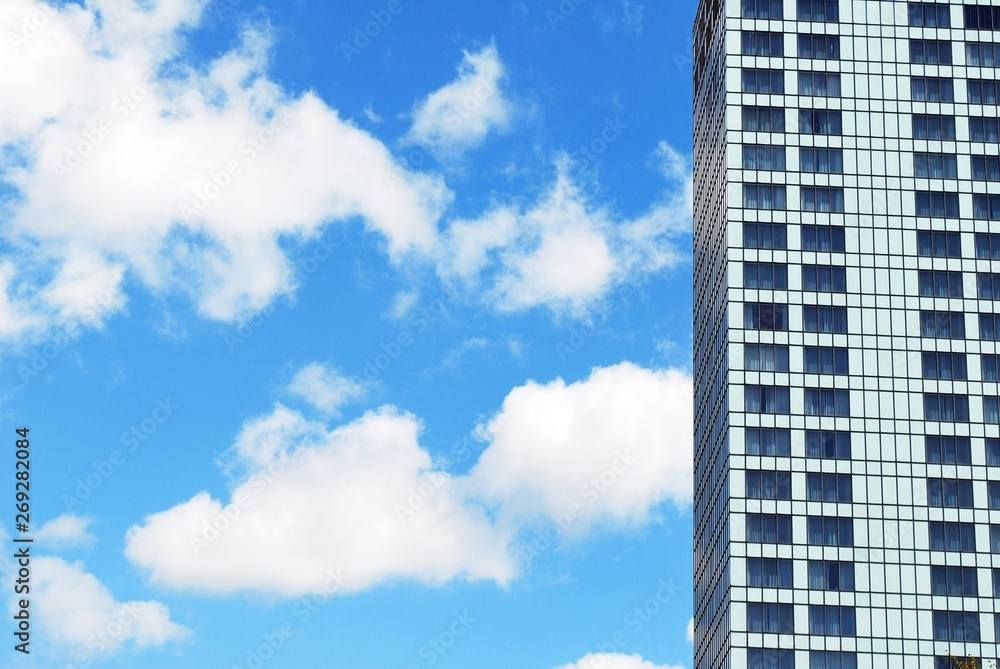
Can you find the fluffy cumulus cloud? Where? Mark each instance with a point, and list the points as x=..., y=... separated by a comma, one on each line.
x=325, y=388
x=79, y=613
x=615, y=661
x=462, y=114
x=608, y=448
x=132, y=169
x=363, y=503
x=565, y=252
x=66, y=531
x=178, y=179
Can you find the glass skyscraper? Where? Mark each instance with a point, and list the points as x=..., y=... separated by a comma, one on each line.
x=847, y=319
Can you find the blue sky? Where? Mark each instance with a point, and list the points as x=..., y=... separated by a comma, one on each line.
x=349, y=334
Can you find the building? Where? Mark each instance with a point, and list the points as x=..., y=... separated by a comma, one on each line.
x=847, y=292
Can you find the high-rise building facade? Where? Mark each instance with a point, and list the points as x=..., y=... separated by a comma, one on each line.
x=847, y=314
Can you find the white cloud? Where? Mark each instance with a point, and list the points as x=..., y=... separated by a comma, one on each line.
x=365, y=500
x=563, y=251
x=325, y=388
x=460, y=115
x=630, y=19
x=76, y=610
x=612, y=446
x=403, y=303
x=460, y=352
x=372, y=115
x=615, y=661
x=66, y=531
x=690, y=631
x=181, y=183
x=203, y=181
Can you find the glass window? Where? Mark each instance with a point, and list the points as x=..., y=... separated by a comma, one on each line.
x=769, y=573
x=770, y=658
x=933, y=126
x=765, y=316
x=818, y=10
x=831, y=575
x=821, y=198
x=993, y=452
x=833, y=659
x=944, y=366
x=824, y=319
x=950, y=536
x=763, y=196
x=981, y=17
x=824, y=278
x=764, y=119
x=823, y=238
x=982, y=129
x=821, y=160
x=949, y=493
x=991, y=410
x=832, y=620
x=946, y=407
x=829, y=444
x=769, y=528
x=993, y=494
x=758, y=43
x=765, y=275
x=942, y=324
x=932, y=89
x=765, y=236
x=956, y=626
x=827, y=402
x=826, y=360
x=935, y=165
x=823, y=487
x=986, y=207
x=937, y=244
x=763, y=157
x=764, y=82
x=987, y=245
x=929, y=14
x=939, y=283
x=937, y=204
x=988, y=327
x=770, y=618
x=986, y=168
x=988, y=286
x=768, y=484
x=823, y=84
x=821, y=122
x=761, y=9
x=830, y=531
x=766, y=399
x=956, y=581
x=766, y=357
x=981, y=54
x=821, y=47
x=930, y=51
x=769, y=441
x=947, y=450
x=982, y=91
